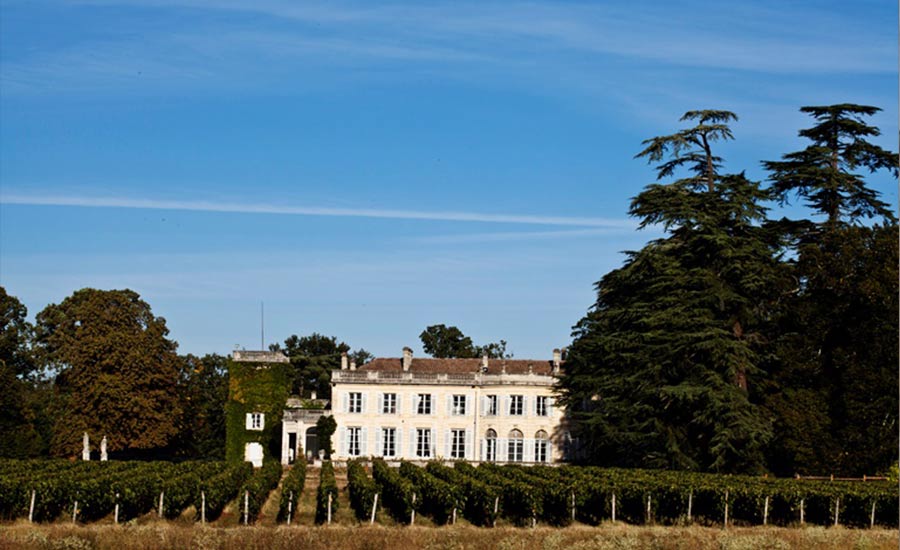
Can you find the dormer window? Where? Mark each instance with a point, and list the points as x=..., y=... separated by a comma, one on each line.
x=256, y=421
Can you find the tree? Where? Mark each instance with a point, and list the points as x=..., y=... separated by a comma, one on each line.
x=325, y=428
x=834, y=381
x=660, y=369
x=313, y=358
x=202, y=392
x=117, y=373
x=442, y=341
x=15, y=336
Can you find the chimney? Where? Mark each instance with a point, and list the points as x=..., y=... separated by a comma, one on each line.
x=557, y=360
x=484, y=363
x=353, y=364
x=407, y=358
x=312, y=395
x=344, y=360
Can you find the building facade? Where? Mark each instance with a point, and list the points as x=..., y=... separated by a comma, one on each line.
x=496, y=410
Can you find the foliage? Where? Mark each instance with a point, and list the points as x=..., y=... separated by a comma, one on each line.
x=313, y=358
x=292, y=488
x=439, y=499
x=397, y=492
x=362, y=490
x=660, y=369
x=257, y=488
x=327, y=486
x=442, y=341
x=117, y=371
x=479, y=498
x=203, y=392
x=325, y=428
x=15, y=336
x=220, y=489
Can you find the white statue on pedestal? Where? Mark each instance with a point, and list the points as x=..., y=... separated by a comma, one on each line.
x=103, y=456
x=86, y=447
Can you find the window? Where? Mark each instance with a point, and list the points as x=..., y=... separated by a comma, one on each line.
x=424, y=406
x=354, y=441
x=491, y=406
x=457, y=444
x=389, y=403
x=459, y=405
x=423, y=442
x=516, y=448
x=355, y=402
x=389, y=441
x=542, y=406
x=516, y=405
x=541, y=445
x=490, y=446
x=256, y=421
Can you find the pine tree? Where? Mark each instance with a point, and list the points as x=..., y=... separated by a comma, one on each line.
x=659, y=371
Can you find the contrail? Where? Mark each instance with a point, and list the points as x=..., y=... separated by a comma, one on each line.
x=249, y=208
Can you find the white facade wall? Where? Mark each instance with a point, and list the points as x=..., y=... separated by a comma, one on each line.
x=358, y=408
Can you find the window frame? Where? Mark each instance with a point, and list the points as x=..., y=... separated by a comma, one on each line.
x=355, y=402
x=457, y=443
x=517, y=405
x=542, y=405
x=420, y=408
x=389, y=403
x=424, y=445
x=458, y=404
x=354, y=437
x=389, y=442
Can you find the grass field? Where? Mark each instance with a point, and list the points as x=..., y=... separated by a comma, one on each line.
x=163, y=535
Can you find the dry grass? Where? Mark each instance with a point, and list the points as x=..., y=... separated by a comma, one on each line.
x=620, y=537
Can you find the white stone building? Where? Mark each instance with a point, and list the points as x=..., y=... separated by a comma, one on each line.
x=498, y=410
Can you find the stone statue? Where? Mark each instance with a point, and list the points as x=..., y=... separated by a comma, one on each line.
x=103, y=456
x=86, y=448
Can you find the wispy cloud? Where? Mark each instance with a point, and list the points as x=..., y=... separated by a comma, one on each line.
x=250, y=208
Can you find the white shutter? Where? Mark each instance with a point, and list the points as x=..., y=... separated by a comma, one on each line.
x=365, y=401
x=415, y=402
x=450, y=405
x=379, y=403
x=364, y=442
x=412, y=443
x=342, y=442
x=468, y=404
x=345, y=401
x=448, y=437
x=398, y=441
x=431, y=443
x=249, y=421
x=470, y=447
x=549, y=406
x=528, y=455
x=485, y=403
x=506, y=405
x=481, y=449
x=379, y=442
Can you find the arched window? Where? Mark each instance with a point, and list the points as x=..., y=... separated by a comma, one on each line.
x=541, y=446
x=490, y=446
x=516, y=447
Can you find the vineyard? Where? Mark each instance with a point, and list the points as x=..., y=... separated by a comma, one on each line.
x=486, y=495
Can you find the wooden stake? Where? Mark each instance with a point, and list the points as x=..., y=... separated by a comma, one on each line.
x=246, y=507
x=329, y=508
x=766, y=512
x=837, y=511
x=75, y=511
x=872, y=517
x=690, y=503
x=726, y=509
x=31, y=509
x=496, y=509
x=648, y=509
x=614, y=507
x=374, y=506
x=573, y=506
x=116, y=515
x=454, y=516
x=802, y=520
x=161, y=497
x=203, y=507
x=290, y=507
x=412, y=518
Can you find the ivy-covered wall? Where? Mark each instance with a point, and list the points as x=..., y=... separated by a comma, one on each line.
x=255, y=387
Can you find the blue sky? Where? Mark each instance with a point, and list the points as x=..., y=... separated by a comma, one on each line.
x=367, y=169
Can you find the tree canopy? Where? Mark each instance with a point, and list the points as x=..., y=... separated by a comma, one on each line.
x=442, y=341
x=117, y=371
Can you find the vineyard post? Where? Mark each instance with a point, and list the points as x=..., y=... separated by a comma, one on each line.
x=374, y=506
x=648, y=509
x=31, y=508
x=412, y=517
x=614, y=507
x=766, y=512
x=161, y=497
x=837, y=510
x=246, y=507
x=329, y=508
x=290, y=507
x=74, y=511
x=573, y=505
x=496, y=509
x=726, y=508
x=690, y=504
x=203, y=507
x=116, y=515
x=801, y=512
x=872, y=517
x=453, y=521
